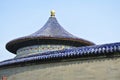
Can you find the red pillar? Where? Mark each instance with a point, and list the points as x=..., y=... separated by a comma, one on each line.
x=4, y=78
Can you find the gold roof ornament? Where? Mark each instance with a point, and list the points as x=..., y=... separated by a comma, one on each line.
x=52, y=13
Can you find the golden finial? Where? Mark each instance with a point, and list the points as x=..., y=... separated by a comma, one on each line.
x=52, y=13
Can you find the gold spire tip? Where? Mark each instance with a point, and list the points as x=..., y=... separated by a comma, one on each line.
x=52, y=13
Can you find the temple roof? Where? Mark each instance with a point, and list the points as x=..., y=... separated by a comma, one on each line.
x=53, y=29
x=51, y=33
x=83, y=53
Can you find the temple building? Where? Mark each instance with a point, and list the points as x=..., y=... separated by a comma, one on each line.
x=52, y=53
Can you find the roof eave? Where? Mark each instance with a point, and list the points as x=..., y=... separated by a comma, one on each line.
x=14, y=45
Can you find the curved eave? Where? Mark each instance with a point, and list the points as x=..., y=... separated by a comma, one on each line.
x=88, y=52
x=51, y=33
x=14, y=45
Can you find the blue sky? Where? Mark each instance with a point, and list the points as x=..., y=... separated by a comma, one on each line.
x=94, y=20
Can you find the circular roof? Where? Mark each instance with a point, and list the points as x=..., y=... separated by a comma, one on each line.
x=51, y=33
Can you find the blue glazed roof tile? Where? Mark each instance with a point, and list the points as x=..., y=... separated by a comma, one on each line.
x=51, y=32
x=88, y=51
